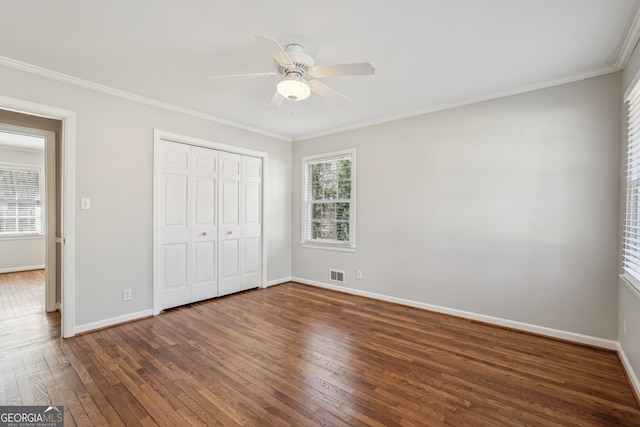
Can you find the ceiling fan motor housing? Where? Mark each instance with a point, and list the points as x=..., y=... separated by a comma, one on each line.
x=301, y=61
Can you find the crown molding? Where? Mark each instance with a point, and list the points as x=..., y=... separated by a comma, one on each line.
x=467, y=101
x=630, y=42
x=54, y=75
x=627, y=49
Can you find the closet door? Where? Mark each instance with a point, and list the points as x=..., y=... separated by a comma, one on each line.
x=204, y=230
x=208, y=217
x=251, y=223
x=187, y=209
x=172, y=208
x=229, y=223
x=240, y=229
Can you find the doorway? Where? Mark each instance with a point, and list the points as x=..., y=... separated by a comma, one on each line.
x=28, y=206
x=62, y=123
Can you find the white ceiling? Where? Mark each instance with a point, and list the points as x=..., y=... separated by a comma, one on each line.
x=428, y=54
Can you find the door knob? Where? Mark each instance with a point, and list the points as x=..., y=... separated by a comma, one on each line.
x=229, y=232
x=204, y=233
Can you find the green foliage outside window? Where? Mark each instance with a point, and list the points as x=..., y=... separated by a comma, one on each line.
x=330, y=200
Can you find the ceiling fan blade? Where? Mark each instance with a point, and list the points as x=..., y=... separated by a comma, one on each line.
x=357, y=69
x=276, y=51
x=269, y=74
x=327, y=93
x=276, y=101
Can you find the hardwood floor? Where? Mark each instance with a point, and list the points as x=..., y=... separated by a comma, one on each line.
x=22, y=314
x=298, y=355
x=22, y=293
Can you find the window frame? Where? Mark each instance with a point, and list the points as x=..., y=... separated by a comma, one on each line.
x=41, y=182
x=630, y=249
x=306, y=241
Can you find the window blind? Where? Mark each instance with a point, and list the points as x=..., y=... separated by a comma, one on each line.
x=631, y=235
x=20, y=201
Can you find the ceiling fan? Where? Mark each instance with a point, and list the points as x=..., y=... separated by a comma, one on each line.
x=299, y=75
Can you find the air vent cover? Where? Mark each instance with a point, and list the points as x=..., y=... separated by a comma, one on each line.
x=336, y=276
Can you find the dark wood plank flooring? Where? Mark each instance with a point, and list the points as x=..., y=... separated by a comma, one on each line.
x=302, y=356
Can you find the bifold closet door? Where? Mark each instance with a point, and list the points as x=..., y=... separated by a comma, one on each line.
x=240, y=223
x=251, y=222
x=229, y=230
x=186, y=206
x=204, y=229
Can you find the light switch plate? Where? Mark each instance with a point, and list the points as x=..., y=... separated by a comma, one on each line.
x=85, y=203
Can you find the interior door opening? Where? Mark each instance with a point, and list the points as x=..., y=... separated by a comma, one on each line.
x=30, y=203
x=63, y=123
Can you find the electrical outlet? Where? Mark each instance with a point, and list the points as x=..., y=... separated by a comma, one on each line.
x=126, y=294
x=624, y=326
x=359, y=274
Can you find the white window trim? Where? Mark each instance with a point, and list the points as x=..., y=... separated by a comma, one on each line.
x=343, y=247
x=631, y=283
x=631, y=280
x=43, y=208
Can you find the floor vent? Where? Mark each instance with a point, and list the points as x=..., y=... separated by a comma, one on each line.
x=336, y=276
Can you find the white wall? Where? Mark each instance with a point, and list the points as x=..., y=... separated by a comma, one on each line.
x=114, y=167
x=507, y=208
x=21, y=253
x=629, y=301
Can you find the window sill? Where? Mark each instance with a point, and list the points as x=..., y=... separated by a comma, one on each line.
x=632, y=284
x=21, y=237
x=328, y=247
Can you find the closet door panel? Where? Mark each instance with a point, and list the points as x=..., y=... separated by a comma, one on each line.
x=230, y=192
x=251, y=222
x=251, y=259
x=205, y=283
x=204, y=230
x=174, y=223
x=229, y=273
x=175, y=262
x=229, y=227
x=176, y=188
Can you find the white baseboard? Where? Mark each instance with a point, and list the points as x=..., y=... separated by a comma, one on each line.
x=541, y=330
x=635, y=381
x=277, y=282
x=142, y=314
x=23, y=268
x=112, y=321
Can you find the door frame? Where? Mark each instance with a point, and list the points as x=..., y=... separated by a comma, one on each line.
x=160, y=135
x=49, y=214
x=67, y=176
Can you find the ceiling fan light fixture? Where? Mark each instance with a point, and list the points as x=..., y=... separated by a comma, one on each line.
x=294, y=88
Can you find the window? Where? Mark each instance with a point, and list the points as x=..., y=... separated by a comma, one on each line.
x=631, y=235
x=329, y=200
x=20, y=200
